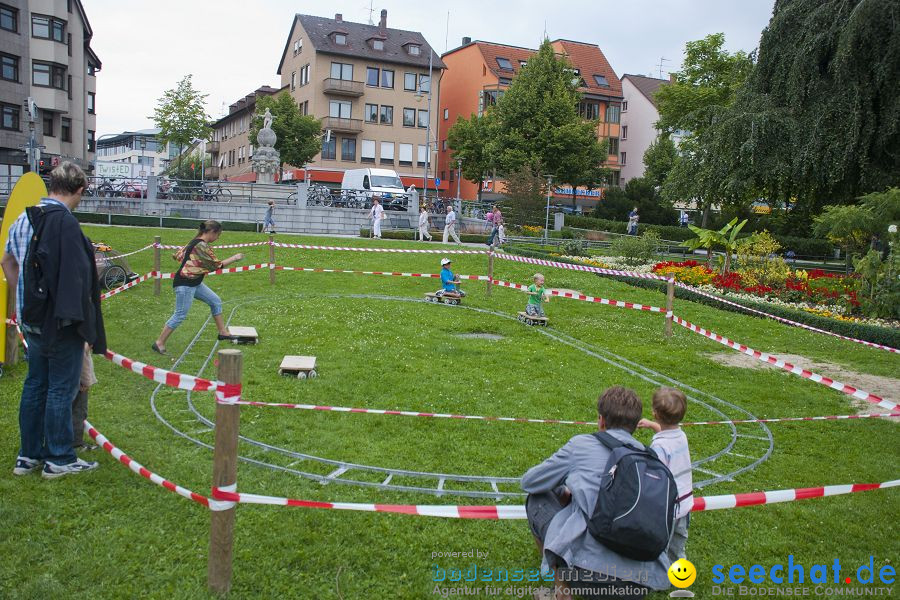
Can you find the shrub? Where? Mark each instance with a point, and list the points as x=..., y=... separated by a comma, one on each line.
x=406, y=234
x=636, y=250
x=573, y=247
x=758, y=261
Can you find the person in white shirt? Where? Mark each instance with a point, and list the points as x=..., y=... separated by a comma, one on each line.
x=423, y=224
x=450, y=225
x=377, y=215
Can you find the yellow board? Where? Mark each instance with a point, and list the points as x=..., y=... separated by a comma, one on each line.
x=28, y=191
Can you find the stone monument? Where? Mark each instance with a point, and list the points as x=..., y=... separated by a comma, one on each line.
x=266, y=159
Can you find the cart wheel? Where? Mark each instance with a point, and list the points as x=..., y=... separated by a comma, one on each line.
x=281, y=371
x=301, y=375
x=313, y=374
x=114, y=276
x=256, y=341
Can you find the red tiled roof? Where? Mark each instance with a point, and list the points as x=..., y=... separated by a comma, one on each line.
x=590, y=61
x=513, y=53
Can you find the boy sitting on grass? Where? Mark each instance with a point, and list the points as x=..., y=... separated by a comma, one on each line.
x=537, y=296
x=671, y=446
x=449, y=281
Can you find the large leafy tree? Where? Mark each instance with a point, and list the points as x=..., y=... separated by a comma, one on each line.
x=180, y=114
x=538, y=125
x=470, y=139
x=659, y=159
x=819, y=119
x=298, y=136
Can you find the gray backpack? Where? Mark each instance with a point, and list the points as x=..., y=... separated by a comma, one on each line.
x=637, y=502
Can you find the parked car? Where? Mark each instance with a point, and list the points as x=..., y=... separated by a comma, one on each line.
x=383, y=184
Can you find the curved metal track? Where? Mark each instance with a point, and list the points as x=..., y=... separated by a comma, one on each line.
x=342, y=468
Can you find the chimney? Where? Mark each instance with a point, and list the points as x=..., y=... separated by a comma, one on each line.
x=338, y=17
x=466, y=41
x=383, y=23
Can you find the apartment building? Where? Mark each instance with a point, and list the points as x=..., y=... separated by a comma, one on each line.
x=639, y=117
x=369, y=85
x=230, y=149
x=479, y=72
x=46, y=55
x=139, y=149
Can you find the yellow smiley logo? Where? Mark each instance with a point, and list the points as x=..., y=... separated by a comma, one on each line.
x=682, y=573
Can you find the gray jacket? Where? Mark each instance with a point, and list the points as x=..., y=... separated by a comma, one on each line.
x=579, y=465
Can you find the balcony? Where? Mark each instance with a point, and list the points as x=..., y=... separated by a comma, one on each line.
x=342, y=125
x=212, y=147
x=343, y=87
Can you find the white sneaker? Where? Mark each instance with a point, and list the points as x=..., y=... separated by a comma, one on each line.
x=52, y=471
x=25, y=465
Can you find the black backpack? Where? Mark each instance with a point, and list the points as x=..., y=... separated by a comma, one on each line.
x=35, y=295
x=637, y=502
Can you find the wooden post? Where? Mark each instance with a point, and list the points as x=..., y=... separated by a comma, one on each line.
x=670, y=299
x=12, y=344
x=271, y=259
x=157, y=282
x=221, y=531
x=490, y=272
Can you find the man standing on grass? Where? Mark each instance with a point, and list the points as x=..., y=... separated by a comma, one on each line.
x=376, y=214
x=450, y=225
x=58, y=308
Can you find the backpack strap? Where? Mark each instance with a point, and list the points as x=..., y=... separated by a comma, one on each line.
x=612, y=443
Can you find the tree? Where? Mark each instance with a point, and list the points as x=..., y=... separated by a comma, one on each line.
x=190, y=167
x=526, y=192
x=181, y=116
x=659, y=159
x=614, y=205
x=298, y=136
x=538, y=124
x=470, y=141
x=642, y=193
x=850, y=227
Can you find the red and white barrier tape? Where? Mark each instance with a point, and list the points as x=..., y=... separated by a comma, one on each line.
x=782, y=319
x=575, y=267
x=239, y=269
x=215, y=247
x=496, y=512
x=13, y=323
x=407, y=413
x=774, y=360
x=141, y=470
x=394, y=273
x=127, y=286
x=169, y=378
x=582, y=297
x=394, y=250
x=115, y=256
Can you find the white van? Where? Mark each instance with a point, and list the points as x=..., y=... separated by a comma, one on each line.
x=383, y=184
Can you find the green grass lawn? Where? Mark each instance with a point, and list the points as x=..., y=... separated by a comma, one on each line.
x=112, y=534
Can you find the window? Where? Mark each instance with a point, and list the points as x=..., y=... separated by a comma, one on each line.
x=387, y=79
x=504, y=64
x=387, y=152
x=329, y=148
x=372, y=76
x=371, y=113
x=339, y=109
x=522, y=63
x=69, y=43
x=10, y=69
x=49, y=75
x=10, y=119
x=367, y=151
x=444, y=145
x=505, y=81
x=340, y=39
x=601, y=80
x=304, y=75
x=9, y=19
x=48, y=124
x=69, y=86
x=298, y=46
x=409, y=117
x=589, y=110
x=414, y=49
x=623, y=159
x=409, y=82
x=406, y=155
x=446, y=113
x=293, y=81
x=91, y=145
x=348, y=149
x=624, y=132
x=422, y=152
x=304, y=107
x=612, y=114
x=613, y=146
x=423, y=118
x=624, y=106
x=342, y=71
x=378, y=45
x=424, y=83
x=387, y=115
x=66, y=129
x=48, y=28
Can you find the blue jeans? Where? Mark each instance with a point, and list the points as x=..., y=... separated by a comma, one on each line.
x=184, y=297
x=45, y=412
x=494, y=231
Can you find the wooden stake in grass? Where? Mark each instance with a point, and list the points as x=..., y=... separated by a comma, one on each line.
x=157, y=281
x=490, y=272
x=670, y=299
x=271, y=259
x=221, y=531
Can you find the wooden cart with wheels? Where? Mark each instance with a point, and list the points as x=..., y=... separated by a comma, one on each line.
x=244, y=335
x=532, y=320
x=445, y=298
x=300, y=367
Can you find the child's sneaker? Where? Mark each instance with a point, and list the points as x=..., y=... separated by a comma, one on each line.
x=25, y=465
x=52, y=471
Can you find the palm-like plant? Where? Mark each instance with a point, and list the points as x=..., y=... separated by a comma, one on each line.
x=727, y=238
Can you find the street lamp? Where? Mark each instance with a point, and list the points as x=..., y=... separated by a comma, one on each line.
x=419, y=96
x=547, y=218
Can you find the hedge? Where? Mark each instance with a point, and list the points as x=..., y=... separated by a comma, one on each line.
x=173, y=222
x=870, y=333
x=406, y=234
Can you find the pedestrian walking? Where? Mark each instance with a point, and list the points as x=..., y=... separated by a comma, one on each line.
x=450, y=225
x=376, y=213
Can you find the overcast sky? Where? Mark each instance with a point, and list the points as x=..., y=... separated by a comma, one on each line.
x=233, y=46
